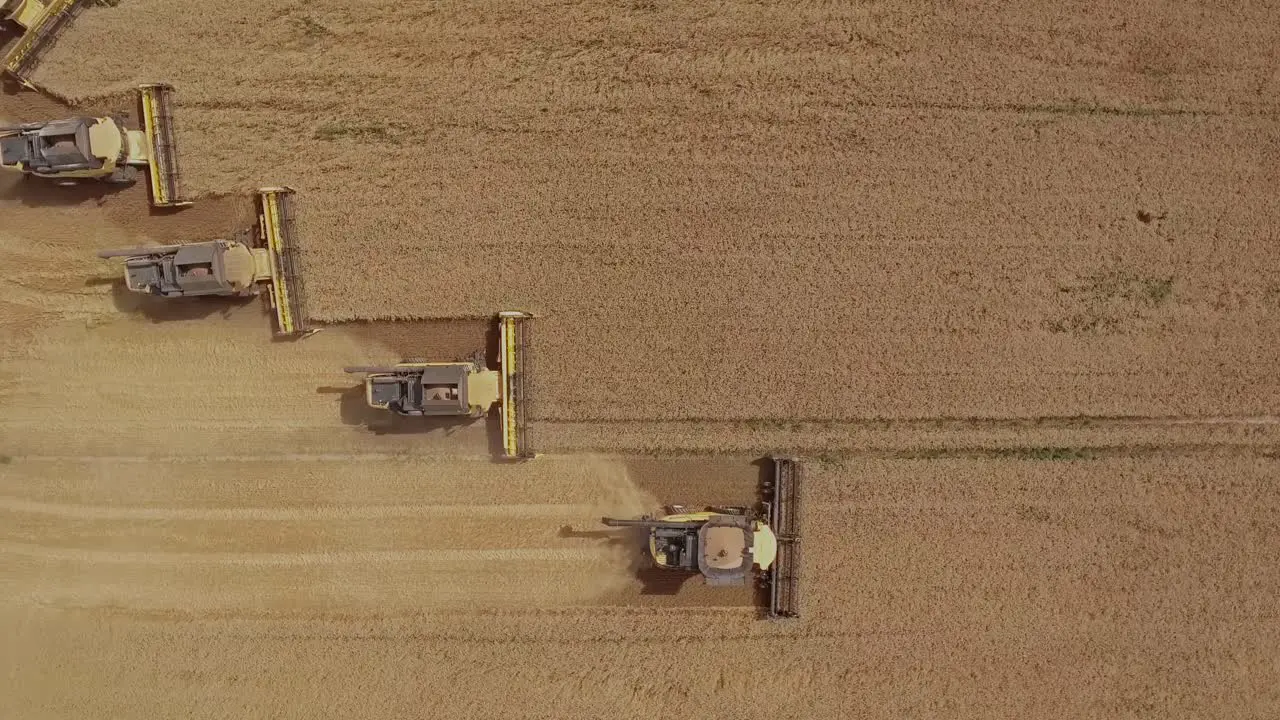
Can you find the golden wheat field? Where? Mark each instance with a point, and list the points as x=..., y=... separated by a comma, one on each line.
x=816, y=210
x=1004, y=274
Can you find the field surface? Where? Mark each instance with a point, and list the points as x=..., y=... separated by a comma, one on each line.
x=1004, y=273
x=764, y=209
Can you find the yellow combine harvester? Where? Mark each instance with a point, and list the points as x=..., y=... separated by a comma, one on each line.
x=87, y=148
x=258, y=259
x=727, y=545
x=40, y=22
x=461, y=389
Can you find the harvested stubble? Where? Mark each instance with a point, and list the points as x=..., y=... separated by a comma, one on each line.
x=756, y=210
x=970, y=588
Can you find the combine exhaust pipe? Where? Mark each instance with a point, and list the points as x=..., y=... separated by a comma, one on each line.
x=784, y=518
x=162, y=152
x=42, y=21
x=276, y=229
x=512, y=338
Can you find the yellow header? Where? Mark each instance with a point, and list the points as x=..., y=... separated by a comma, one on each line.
x=40, y=20
x=150, y=123
x=271, y=222
x=510, y=430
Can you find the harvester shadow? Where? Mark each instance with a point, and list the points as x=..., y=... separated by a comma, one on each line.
x=653, y=580
x=492, y=355
x=154, y=211
x=41, y=192
x=493, y=432
x=764, y=479
x=493, y=346
x=28, y=104
x=162, y=309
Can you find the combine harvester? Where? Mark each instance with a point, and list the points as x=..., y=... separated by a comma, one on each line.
x=461, y=389
x=724, y=544
x=87, y=148
x=258, y=259
x=40, y=22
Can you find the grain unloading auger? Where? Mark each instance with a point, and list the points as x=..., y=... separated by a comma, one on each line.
x=728, y=545
x=461, y=389
x=40, y=21
x=75, y=149
x=260, y=259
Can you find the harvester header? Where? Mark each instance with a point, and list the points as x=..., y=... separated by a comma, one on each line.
x=162, y=151
x=276, y=231
x=513, y=330
x=41, y=22
x=784, y=516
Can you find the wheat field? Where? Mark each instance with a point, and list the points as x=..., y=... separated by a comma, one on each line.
x=783, y=210
x=1003, y=273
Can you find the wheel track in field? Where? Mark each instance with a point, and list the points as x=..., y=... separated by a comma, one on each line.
x=445, y=557
x=333, y=512
x=1146, y=434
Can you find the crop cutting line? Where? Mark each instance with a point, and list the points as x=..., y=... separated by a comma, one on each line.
x=968, y=423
